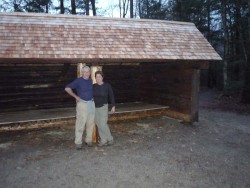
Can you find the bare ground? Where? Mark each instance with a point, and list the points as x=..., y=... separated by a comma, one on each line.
x=154, y=152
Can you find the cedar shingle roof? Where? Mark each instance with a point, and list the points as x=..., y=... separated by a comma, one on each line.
x=36, y=36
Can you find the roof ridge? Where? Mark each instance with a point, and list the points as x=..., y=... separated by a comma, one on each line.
x=70, y=16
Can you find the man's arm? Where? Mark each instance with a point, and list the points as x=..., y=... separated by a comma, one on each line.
x=71, y=93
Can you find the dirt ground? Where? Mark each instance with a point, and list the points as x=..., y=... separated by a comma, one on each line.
x=154, y=152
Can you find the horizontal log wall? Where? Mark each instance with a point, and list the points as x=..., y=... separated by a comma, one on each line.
x=173, y=86
x=124, y=81
x=41, y=86
x=35, y=86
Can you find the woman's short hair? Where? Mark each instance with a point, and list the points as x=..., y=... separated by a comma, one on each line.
x=99, y=72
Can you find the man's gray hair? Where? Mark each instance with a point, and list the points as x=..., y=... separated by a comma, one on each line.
x=85, y=68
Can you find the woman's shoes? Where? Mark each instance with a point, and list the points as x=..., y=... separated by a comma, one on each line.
x=102, y=144
x=108, y=143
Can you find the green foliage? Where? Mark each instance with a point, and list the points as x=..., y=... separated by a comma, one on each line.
x=152, y=9
x=25, y=5
x=39, y=6
x=36, y=5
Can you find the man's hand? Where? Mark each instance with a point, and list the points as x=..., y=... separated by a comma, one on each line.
x=77, y=99
x=71, y=93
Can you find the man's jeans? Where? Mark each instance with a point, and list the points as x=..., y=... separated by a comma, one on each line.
x=84, y=116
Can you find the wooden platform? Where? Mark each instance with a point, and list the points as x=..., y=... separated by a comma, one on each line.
x=22, y=120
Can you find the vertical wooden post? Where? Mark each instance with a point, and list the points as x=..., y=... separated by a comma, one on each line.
x=95, y=136
x=79, y=69
x=195, y=95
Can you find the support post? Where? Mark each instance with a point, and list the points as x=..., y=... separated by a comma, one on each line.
x=95, y=136
x=195, y=95
x=79, y=69
x=93, y=70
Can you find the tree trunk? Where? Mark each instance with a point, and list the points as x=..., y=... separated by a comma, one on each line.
x=147, y=4
x=120, y=8
x=226, y=46
x=62, y=9
x=210, y=79
x=245, y=98
x=131, y=9
x=73, y=7
x=139, y=8
x=87, y=7
x=47, y=8
x=93, y=7
x=208, y=19
x=125, y=8
x=240, y=31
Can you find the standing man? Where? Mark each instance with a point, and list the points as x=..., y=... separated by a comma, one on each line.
x=85, y=108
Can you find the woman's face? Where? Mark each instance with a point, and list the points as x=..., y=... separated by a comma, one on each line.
x=99, y=78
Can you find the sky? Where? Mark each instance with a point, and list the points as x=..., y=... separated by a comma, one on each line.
x=111, y=7
x=107, y=8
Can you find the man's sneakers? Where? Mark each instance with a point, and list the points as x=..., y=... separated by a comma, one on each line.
x=79, y=146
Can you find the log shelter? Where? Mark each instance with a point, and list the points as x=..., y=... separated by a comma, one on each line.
x=147, y=62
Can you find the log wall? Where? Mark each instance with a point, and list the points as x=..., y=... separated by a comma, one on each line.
x=124, y=81
x=174, y=86
x=34, y=86
x=41, y=86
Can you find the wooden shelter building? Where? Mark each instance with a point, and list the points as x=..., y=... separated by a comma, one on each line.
x=151, y=61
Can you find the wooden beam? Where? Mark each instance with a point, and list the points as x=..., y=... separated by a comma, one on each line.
x=197, y=64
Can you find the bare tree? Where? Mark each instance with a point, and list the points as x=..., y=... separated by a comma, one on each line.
x=123, y=6
x=245, y=98
x=93, y=7
x=110, y=9
x=131, y=8
x=226, y=44
x=87, y=7
x=62, y=8
x=11, y=5
x=73, y=7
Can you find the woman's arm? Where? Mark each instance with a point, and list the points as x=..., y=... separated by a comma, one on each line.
x=111, y=98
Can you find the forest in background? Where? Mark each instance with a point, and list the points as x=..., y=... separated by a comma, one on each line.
x=225, y=24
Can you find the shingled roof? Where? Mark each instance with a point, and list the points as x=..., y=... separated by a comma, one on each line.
x=45, y=36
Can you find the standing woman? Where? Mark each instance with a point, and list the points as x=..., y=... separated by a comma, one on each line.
x=103, y=92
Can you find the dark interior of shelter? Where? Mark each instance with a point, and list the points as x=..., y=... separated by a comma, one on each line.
x=41, y=86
